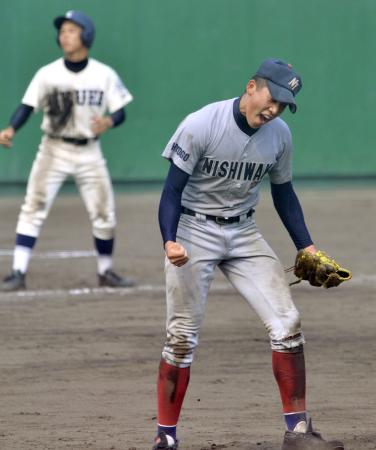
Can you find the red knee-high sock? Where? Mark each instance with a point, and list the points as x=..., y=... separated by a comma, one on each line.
x=172, y=386
x=289, y=371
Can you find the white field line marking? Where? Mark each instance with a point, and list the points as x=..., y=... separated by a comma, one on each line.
x=219, y=287
x=64, y=254
x=49, y=294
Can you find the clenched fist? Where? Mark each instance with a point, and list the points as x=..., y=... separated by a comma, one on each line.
x=100, y=124
x=176, y=253
x=6, y=137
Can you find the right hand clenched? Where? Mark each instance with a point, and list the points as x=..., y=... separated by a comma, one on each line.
x=6, y=137
x=176, y=253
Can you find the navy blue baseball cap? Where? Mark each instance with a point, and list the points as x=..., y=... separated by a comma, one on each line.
x=283, y=82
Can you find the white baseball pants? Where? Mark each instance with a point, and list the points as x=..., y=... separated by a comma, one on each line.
x=55, y=161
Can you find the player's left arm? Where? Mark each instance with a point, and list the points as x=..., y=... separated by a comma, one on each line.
x=100, y=124
x=314, y=266
x=290, y=211
x=117, y=97
x=284, y=197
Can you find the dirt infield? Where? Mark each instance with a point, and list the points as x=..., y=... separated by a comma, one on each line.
x=78, y=364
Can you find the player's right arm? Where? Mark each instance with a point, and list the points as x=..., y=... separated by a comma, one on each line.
x=169, y=214
x=29, y=102
x=19, y=117
x=184, y=151
x=6, y=137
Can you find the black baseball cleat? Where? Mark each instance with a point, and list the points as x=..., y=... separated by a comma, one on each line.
x=311, y=440
x=162, y=441
x=112, y=279
x=15, y=281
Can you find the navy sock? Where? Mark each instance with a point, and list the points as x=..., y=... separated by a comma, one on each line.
x=104, y=246
x=292, y=419
x=171, y=431
x=25, y=241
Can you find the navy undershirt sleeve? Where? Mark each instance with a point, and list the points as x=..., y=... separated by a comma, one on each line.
x=170, y=203
x=288, y=207
x=23, y=112
x=20, y=116
x=118, y=117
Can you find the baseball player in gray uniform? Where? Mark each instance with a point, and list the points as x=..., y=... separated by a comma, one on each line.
x=75, y=94
x=218, y=158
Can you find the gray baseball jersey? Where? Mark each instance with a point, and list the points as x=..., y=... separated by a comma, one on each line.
x=226, y=165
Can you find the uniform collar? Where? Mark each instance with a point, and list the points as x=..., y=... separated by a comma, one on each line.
x=240, y=120
x=76, y=66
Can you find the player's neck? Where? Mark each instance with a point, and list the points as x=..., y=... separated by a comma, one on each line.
x=77, y=55
x=76, y=66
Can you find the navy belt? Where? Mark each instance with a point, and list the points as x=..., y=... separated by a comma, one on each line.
x=218, y=219
x=74, y=141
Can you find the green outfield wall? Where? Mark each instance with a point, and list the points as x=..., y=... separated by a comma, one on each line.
x=176, y=56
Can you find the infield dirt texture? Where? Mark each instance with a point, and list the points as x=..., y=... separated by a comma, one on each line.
x=78, y=364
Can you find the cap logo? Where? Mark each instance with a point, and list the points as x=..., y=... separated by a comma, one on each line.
x=294, y=83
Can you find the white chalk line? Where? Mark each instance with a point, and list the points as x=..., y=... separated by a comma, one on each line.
x=358, y=280
x=50, y=294
x=64, y=254
x=218, y=287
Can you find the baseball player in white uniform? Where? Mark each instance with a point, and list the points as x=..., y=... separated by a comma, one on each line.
x=218, y=158
x=81, y=99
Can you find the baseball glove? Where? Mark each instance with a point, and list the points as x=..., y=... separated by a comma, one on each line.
x=319, y=269
x=59, y=109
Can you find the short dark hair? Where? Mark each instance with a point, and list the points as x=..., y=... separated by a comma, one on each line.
x=260, y=82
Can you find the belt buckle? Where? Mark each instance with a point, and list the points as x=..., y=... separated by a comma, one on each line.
x=221, y=220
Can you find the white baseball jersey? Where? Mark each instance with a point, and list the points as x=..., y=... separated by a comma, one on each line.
x=95, y=90
x=225, y=164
